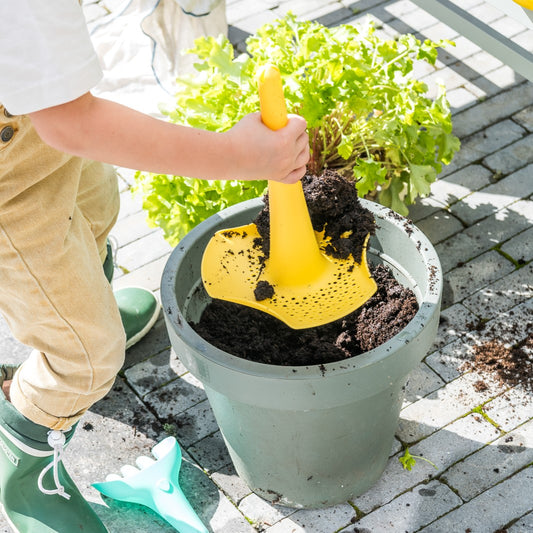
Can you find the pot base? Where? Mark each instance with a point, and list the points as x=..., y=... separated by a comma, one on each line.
x=319, y=466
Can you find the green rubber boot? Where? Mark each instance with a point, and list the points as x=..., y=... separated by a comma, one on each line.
x=139, y=308
x=36, y=493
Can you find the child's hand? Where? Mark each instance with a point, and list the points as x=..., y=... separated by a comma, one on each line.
x=262, y=153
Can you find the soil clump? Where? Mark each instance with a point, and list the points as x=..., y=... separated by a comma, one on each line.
x=251, y=334
x=509, y=366
x=334, y=207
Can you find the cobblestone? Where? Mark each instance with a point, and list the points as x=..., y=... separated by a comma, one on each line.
x=422, y=381
x=443, y=448
x=483, y=143
x=511, y=157
x=524, y=40
x=315, y=521
x=479, y=215
x=502, y=295
x=430, y=501
x=177, y=396
x=454, y=400
x=439, y=225
x=525, y=524
x=486, y=13
x=509, y=327
x=463, y=48
x=232, y=485
x=155, y=372
x=507, y=26
x=511, y=409
x=520, y=247
x=474, y=275
x=424, y=207
x=448, y=361
x=452, y=321
x=483, y=236
x=493, y=463
x=194, y=423
x=493, y=110
x=261, y=513
x=228, y=518
x=460, y=98
x=525, y=118
x=211, y=453
x=513, y=496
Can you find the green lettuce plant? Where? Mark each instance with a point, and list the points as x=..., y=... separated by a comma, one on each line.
x=368, y=118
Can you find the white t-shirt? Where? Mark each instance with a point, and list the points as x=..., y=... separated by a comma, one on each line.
x=46, y=54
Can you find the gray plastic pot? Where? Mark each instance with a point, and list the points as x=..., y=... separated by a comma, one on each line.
x=309, y=436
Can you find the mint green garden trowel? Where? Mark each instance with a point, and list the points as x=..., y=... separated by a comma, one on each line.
x=155, y=484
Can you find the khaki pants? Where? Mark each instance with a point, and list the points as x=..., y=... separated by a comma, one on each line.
x=55, y=214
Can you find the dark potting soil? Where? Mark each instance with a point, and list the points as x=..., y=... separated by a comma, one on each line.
x=509, y=366
x=334, y=207
x=251, y=334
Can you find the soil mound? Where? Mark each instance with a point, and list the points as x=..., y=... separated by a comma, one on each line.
x=251, y=334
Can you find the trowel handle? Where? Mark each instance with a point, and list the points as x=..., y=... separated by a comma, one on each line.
x=271, y=98
x=295, y=257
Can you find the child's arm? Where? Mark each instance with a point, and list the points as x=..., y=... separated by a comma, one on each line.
x=102, y=130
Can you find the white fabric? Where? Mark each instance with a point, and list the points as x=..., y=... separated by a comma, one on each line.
x=141, y=48
x=46, y=55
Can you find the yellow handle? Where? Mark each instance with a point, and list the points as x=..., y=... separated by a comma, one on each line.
x=528, y=4
x=271, y=98
x=295, y=257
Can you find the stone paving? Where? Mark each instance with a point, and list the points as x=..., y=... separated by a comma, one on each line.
x=479, y=216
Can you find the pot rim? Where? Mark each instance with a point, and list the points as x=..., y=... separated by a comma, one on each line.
x=428, y=305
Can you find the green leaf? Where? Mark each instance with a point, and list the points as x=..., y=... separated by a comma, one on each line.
x=368, y=174
x=345, y=148
x=407, y=460
x=422, y=176
x=367, y=117
x=448, y=145
x=393, y=196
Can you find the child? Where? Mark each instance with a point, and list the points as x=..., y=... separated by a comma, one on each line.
x=58, y=202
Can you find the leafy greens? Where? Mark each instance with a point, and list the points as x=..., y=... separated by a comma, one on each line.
x=368, y=118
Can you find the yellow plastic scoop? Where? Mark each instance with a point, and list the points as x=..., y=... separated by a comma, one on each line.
x=309, y=287
x=525, y=3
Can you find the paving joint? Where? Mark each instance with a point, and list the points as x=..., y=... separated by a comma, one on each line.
x=479, y=220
